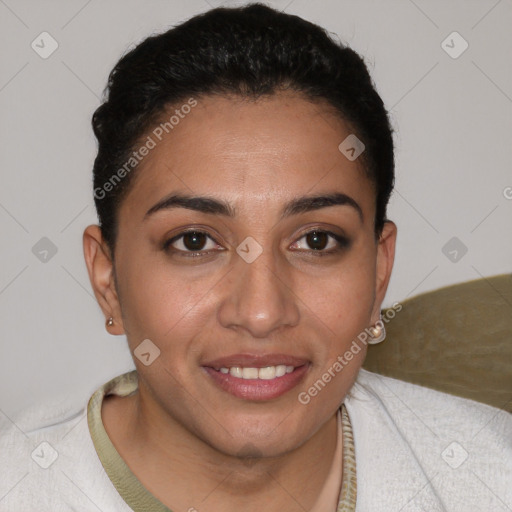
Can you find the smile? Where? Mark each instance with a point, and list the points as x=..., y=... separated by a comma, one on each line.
x=257, y=379
x=265, y=373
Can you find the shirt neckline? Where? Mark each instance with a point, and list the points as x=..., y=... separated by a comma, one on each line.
x=139, y=499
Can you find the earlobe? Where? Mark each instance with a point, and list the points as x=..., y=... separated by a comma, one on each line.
x=385, y=260
x=100, y=268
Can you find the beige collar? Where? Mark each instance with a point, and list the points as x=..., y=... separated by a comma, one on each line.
x=139, y=499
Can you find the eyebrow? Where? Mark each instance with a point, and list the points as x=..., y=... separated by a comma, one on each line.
x=214, y=206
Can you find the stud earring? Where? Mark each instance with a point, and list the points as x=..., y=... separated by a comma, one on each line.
x=377, y=333
x=110, y=322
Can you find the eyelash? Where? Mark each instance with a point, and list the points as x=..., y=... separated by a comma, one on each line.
x=343, y=243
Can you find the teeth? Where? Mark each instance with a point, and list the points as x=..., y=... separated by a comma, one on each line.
x=250, y=373
x=236, y=371
x=280, y=370
x=266, y=373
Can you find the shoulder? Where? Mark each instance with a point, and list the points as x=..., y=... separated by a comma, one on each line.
x=31, y=450
x=463, y=448
x=49, y=462
x=50, y=419
x=442, y=410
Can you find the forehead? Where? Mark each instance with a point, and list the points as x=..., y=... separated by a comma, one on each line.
x=247, y=152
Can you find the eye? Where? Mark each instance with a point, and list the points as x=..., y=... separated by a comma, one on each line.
x=320, y=240
x=191, y=243
x=194, y=243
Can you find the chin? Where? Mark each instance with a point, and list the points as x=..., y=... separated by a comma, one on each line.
x=266, y=440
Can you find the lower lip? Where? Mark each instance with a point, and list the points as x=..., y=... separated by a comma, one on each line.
x=257, y=389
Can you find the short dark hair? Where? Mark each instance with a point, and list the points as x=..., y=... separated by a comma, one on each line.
x=250, y=52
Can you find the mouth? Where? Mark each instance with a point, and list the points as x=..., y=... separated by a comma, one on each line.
x=257, y=378
x=265, y=373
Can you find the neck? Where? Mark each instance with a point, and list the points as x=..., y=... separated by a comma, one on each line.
x=186, y=473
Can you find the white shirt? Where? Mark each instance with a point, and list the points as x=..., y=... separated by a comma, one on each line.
x=417, y=450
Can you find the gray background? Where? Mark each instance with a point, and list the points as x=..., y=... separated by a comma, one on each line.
x=453, y=125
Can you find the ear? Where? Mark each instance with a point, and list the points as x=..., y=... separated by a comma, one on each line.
x=100, y=267
x=385, y=259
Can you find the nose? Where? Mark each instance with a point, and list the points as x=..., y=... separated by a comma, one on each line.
x=259, y=297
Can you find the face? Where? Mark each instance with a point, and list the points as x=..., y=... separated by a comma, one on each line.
x=252, y=293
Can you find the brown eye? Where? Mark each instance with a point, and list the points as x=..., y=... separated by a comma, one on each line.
x=322, y=243
x=194, y=240
x=190, y=242
x=317, y=240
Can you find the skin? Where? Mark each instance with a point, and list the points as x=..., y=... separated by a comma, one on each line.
x=179, y=427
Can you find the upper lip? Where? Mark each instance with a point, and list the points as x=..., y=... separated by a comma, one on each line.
x=256, y=361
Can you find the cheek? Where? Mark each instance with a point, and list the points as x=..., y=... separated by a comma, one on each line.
x=162, y=303
x=346, y=301
x=351, y=288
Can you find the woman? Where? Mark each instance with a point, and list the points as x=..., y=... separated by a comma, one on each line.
x=244, y=166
